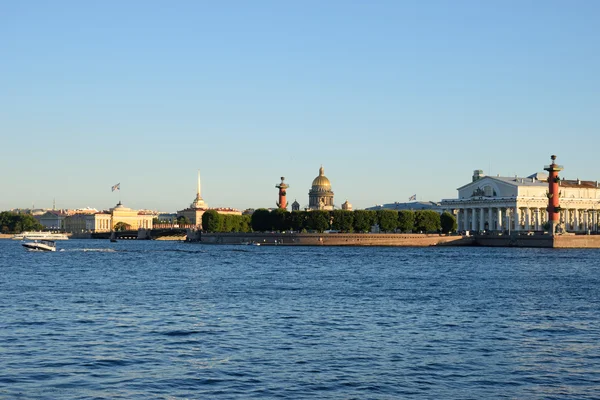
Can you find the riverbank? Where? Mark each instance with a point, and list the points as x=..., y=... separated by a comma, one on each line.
x=568, y=241
x=334, y=239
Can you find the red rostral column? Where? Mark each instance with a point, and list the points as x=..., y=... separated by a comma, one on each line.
x=282, y=199
x=553, y=195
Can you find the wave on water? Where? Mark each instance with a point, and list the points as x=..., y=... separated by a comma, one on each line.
x=92, y=250
x=101, y=250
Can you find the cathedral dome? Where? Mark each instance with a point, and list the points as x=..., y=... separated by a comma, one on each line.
x=321, y=182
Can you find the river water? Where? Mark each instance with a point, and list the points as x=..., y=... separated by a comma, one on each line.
x=164, y=320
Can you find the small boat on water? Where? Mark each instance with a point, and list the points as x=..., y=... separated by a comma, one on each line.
x=43, y=245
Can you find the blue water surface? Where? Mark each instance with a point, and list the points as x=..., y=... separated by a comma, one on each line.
x=169, y=320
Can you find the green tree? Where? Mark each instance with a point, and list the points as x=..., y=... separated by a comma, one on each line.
x=212, y=221
x=298, y=220
x=318, y=220
x=280, y=219
x=183, y=220
x=261, y=220
x=245, y=223
x=427, y=221
x=387, y=220
x=121, y=226
x=406, y=220
x=230, y=223
x=448, y=222
x=343, y=220
x=363, y=220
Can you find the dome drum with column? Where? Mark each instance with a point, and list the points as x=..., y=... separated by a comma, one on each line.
x=320, y=196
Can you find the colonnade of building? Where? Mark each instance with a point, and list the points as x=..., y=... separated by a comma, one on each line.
x=523, y=218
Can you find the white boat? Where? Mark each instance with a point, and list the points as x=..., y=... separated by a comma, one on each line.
x=40, y=236
x=44, y=245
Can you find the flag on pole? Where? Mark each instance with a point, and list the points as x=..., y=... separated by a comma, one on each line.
x=413, y=197
x=116, y=187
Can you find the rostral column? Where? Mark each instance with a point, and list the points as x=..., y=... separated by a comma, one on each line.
x=282, y=199
x=553, y=195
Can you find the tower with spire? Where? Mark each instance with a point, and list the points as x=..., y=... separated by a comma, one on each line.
x=198, y=202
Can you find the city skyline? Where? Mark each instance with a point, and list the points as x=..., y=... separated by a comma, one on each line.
x=392, y=98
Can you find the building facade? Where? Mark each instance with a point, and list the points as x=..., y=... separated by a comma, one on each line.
x=132, y=218
x=505, y=204
x=99, y=222
x=53, y=220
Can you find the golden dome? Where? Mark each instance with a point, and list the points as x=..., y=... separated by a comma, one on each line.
x=321, y=181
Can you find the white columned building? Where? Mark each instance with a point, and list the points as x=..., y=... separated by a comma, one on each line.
x=506, y=204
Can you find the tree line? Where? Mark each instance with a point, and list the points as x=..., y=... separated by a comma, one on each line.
x=360, y=221
x=16, y=223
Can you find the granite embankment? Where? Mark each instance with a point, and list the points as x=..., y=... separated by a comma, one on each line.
x=334, y=239
x=408, y=240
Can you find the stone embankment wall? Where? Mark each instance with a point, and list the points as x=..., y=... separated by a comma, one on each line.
x=513, y=241
x=577, y=242
x=333, y=239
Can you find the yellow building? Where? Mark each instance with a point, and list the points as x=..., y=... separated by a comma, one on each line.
x=132, y=218
x=98, y=222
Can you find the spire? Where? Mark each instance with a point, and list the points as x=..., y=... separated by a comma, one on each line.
x=199, y=191
x=198, y=201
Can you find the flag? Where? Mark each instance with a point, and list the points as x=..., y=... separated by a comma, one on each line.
x=116, y=187
x=413, y=197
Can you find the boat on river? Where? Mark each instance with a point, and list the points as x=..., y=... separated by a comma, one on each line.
x=40, y=236
x=43, y=245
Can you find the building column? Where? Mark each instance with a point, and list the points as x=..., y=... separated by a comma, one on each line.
x=576, y=220
x=517, y=219
x=500, y=225
x=465, y=212
x=527, y=213
x=473, y=219
x=481, y=219
x=537, y=219
x=491, y=226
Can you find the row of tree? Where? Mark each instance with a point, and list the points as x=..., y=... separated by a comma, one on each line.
x=16, y=223
x=212, y=221
x=339, y=220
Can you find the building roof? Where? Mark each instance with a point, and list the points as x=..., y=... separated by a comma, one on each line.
x=413, y=205
x=539, y=179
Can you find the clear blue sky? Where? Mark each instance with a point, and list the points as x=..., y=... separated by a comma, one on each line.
x=392, y=97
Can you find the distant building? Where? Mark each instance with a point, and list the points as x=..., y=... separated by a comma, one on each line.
x=295, y=206
x=198, y=207
x=86, y=222
x=347, y=206
x=53, y=220
x=410, y=206
x=167, y=218
x=320, y=196
x=132, y=218
x=499, y=203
